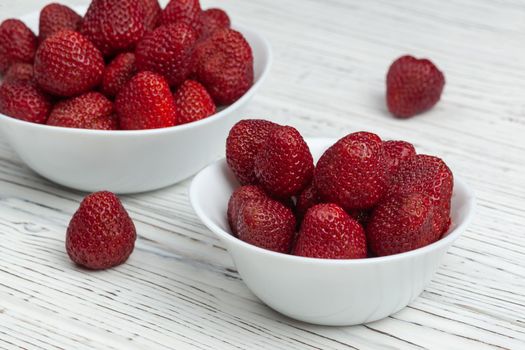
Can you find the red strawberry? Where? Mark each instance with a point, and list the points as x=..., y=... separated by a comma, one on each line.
x=100, y=234
x=182, y=11
x=243, y=143
x=193, y=102
x=213, y=19
x=327, y=232
x=118, y=73
x=351, y=173
x=23, y=100
x=266, y=223
x=19, y=72
x=431, y=176
x=307, y=199
x=400, y=223
x=223, y=63
x=360, y=215
x=412, y=86
x=55, y=17
x=114, y=26
x=284, y=165
x=167, y=50
x=89, y=111
x=146, y=102
x=396, y=153
x=240, y=197
x=17, y=44
x=152, y=13
x=67, y=64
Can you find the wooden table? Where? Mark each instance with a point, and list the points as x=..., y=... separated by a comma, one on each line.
x=180, y=290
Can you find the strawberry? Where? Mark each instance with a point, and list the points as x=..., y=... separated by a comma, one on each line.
x=19, y=72
x=360, y=215
x=223, y=63
x=240, y=197
x=100, y=234
x=55, y=17
x=307, y=199
x=400, y=223
x=146, y=102
x=17, y=44
x=243, y=143
x=266, y=223
x=167, y=50
x=193, y=102
x=114, y=26
x=328, y=232
x=412, y=86
x=24, y=100
x=117, y=73
x=213, y=19
x=284, y=165
x=431, y=176
x=351, y=173
x=89, y=111
x=152, y=13
x=396, y=153
x=67, y=64
x=182, y=11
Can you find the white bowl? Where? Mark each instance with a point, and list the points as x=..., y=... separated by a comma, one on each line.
x=325, y=292
x=129, y=161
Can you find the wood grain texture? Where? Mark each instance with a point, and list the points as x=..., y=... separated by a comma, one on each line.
x=180, y=290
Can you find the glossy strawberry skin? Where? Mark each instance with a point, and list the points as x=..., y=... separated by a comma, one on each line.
x=19, y=72
x=55, y=17
x=431, y=176
x=284, y=165
x=24, y=100
x=266, y=223
x=242, y=145
x=328, y=232
x=67, y=64
x=89, y=111
x=396, y=153
x=182, y=11
x=223, y=63
x=413, y=86
x=401, y=223
x=351, y=173
x=114, y=26
x=17, y=44
x=100, y=234
x=193, y=102
x=212, y=20
x=152, y=13
x=117, y=73
x=146, y=102
x=307, y=199
x=168, y=51
x=238, y=198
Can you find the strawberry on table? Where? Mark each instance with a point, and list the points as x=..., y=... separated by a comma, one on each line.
x=117, y=73
x=146, y=102
x=100, y=234
x=193, y=102
x=242, y=145
x=351, y=173
x=24, y=100
x=68, y=64
x=413, y=86
x=55, y=17
x=89, y=111
x=17, y=44
x=328, y=232
x=167, y=50
x=284, y=165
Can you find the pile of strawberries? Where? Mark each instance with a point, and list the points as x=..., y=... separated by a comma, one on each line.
x=126, y=64
x=365, y=197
